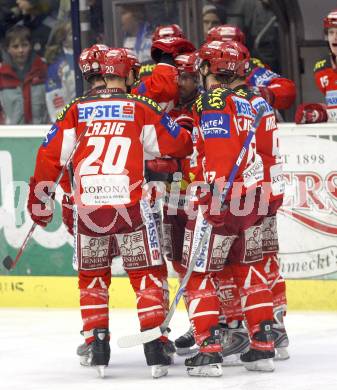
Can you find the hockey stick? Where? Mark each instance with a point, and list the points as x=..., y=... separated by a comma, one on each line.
x=152, y=334
x=8, y=262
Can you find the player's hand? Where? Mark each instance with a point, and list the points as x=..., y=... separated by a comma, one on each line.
x=40, y=207
x=163, y=165
x=311, y=113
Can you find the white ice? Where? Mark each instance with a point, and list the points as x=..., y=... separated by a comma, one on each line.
x=37, y=352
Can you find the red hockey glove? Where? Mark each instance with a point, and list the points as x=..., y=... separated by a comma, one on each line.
x=163, y=165
x=39, y=208
x=173, y=46
x=266, y=93
x=67, y=213
x=311, y=113
x=211, y=209
x=185, y=121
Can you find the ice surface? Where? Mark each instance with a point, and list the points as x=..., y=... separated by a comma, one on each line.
x=38, y=352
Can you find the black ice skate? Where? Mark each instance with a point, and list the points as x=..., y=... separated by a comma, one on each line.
x=157, y=358
x=234, y=342
x=97, y=353
x=258, y=359
x=208, y=361
x=280, y=337
x=185, y=344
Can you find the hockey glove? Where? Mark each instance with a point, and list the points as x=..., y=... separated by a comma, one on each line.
x=185, y=121
x=39, y=206
x=67, y=213
x=163, y=165
x=166, y=49
x=311, y=113
x=212, y=210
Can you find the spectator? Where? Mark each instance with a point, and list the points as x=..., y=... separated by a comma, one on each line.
x=9, y=15
x=22, y=78
x=211, y=17
x=137, y=31
x=35, y=16
x=60, y=83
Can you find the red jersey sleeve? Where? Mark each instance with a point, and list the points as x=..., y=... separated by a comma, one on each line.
x=161, y=86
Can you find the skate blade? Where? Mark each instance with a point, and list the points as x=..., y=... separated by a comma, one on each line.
x=101, y=371
x=231, y=360
x=159, y=370
x=187, y=351
x=281, y=354
x=207, y=370
x=266, y=365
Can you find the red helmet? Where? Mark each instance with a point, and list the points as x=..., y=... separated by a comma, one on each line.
x=226, y=32
x=225, y=57
x=135, y=64
x=171, y=30
x=185, y=63
x=91, y=60
x=117, y=62
x=330, y=20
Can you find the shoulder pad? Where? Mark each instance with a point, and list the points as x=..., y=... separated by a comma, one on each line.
x=245, y=93
x=256, y=62
x=146, y=70
x=212, y=100
x=321, y=64
x=147, y=101
x=60, y=116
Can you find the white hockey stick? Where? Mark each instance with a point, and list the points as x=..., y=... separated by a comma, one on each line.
x=152, y=334
x=8, y=262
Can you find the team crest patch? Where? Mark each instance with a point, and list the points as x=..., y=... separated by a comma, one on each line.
x=51, y=134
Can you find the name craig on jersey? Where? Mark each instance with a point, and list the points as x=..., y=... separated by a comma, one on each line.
x=106, y=128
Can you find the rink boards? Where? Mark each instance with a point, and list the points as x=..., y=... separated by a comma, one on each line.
x=307, y=226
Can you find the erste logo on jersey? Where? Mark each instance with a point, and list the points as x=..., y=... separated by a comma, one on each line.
x=215, y=125
x=51, y=134
x=261, y=77
x=109, y=110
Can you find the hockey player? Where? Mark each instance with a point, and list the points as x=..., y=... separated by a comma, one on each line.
x=165, y=31
x=325, y=73
x=278, y=91
x=224, y=119
x=109, y=173
x=90, y=63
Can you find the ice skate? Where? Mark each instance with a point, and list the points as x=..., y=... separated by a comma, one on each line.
x=280, y=337
x=157, y=358
x=207, y=362
x=234, y=342
x=185, y=344
x=97, y=353
x=258, y=359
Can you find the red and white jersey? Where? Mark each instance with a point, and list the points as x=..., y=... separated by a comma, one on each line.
x=326, y=81
x=267, y=143
x=161, y=86
x=109, y=161
x=224, y=119
x=283, y=89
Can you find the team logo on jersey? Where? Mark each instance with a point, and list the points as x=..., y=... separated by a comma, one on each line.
x=51, y=134
x=172, y=127
x=215, y=99
x=215, y=125
x=109, y=110
x=243, y=107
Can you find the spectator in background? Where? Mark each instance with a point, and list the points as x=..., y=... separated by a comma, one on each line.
x=211, y=17
x=60, y=83
x=137, y=31
x=22, y=79
x=9, y=15
x=35, y=16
